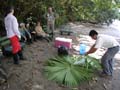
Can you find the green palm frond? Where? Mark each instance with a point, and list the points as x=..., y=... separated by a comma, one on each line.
x=64, y=71
x=93, y=62
x=88, y=62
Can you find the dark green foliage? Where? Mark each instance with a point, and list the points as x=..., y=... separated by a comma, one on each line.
x=64, y=70
x=95, y=11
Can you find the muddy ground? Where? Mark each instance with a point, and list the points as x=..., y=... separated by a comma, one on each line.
x=29, y=74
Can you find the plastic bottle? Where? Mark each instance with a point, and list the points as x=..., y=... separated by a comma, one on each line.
x=82, y=49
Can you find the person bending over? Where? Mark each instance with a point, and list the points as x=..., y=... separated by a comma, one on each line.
x=112, y=46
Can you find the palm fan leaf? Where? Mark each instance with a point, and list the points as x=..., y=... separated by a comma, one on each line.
x=64, y=71
x=93, y=62
x=88, y=62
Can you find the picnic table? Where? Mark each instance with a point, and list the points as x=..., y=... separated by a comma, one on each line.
x=66, y=30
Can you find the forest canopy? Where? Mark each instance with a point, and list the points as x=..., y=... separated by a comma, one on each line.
x=94, y=11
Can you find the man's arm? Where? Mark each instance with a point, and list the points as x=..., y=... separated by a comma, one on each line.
x=15, y=28
x=92, y=50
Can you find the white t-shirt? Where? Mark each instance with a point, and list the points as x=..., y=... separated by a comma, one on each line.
x=51, y=17
x=105, y=41
x=11, y=26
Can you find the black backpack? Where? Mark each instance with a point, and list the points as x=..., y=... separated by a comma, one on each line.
x=62, y=50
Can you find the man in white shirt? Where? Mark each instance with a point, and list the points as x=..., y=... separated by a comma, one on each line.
x=112, y=46
x=11, y=26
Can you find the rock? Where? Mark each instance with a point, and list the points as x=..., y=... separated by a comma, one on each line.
x=37, y=87
x=3, y=75
x=75, y=89
x=95, y=79
x=105, y=86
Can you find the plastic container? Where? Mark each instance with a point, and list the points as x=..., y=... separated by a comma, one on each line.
x=82, y=50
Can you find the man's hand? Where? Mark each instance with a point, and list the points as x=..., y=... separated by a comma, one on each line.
x=19, y=37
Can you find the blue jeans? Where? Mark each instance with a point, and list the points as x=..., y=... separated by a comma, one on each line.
x=107, y=60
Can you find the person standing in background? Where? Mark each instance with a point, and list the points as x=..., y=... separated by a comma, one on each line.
x=11, y=26
x=51, y=21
